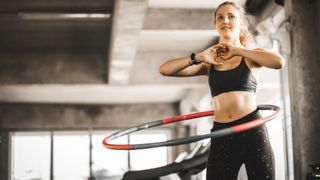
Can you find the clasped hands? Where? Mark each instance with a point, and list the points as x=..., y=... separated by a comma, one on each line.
x=218, y=53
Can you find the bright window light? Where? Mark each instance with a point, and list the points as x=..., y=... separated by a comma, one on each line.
x=30, y=156
x=71, y=156
x=154, y=157
x=108, y=164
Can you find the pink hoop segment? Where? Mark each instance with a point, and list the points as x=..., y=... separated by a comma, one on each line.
x=215, y=134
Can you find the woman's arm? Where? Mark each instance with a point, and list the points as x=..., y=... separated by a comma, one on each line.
x=259, y=56
x=262, y=57
x=183, y=67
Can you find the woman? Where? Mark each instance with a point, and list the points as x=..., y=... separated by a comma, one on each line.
x=232, y=68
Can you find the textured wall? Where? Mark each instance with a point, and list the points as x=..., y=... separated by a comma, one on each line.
x=66, y=117
x=5, y=148
x=304, y=76
x=146, y=69
x=174, y=19
x=46, y=68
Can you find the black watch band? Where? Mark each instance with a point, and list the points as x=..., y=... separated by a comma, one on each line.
x=193, y=59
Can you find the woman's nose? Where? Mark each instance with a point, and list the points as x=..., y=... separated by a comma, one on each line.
x=225, y=21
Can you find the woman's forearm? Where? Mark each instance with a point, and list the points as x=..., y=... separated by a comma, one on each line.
x=262, y=57
x=172, y=67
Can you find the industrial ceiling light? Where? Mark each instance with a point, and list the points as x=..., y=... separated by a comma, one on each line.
x=63, y=16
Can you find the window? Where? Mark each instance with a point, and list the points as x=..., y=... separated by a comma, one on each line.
x=153, y=157
x=107, y=163
x=30, y=156
x=71, y=156
x=71, y=153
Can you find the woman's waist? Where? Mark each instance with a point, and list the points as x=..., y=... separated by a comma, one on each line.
x=255, y=114
x=231, y=108
x=232, y=113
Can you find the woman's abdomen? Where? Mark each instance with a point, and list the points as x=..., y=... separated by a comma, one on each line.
x=234, y=105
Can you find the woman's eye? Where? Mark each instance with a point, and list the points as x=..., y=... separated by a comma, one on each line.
x=220, y=18
x=231, y=17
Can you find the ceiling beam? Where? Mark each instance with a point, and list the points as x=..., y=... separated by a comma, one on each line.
x=179, y=19
x=188, y=4
x=93, y=94
x=102, y=94
x=127, y=23
x=177, y=40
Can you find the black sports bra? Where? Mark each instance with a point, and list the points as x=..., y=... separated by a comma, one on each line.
x=237, y=79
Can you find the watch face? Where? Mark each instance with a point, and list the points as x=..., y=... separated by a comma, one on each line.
x=193, y=56
x=194, y=61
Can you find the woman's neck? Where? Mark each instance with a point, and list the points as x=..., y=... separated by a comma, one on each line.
x=235, y=42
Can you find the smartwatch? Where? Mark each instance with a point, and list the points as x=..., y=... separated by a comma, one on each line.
x=193, y=59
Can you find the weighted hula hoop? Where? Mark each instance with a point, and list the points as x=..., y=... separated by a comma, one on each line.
x=174, y=142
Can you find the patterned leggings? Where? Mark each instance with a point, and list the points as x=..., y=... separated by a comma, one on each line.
x=251, y=147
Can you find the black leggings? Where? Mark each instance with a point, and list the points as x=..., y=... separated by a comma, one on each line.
x=251, y=147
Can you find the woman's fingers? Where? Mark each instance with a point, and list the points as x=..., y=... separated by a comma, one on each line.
x=220, y=50
x=219, y=53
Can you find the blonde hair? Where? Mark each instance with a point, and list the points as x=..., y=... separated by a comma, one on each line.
x=246, y=38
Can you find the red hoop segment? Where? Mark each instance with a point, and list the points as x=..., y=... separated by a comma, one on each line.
x=187, y=117
x=215, y=134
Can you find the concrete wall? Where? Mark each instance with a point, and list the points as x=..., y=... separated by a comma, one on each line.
x=146, y=69
x=173, y=19
x=304, y=77
x=4, y=154
x=57, y=68
x=74, y=117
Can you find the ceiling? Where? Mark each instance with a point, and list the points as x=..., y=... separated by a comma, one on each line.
x=54, y=26
x=189, y=4
x=131, y=34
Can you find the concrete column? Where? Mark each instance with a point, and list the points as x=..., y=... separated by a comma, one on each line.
x=4, y=155
x=304, y=79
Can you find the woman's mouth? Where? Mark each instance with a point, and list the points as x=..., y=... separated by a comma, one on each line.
x=225, y=28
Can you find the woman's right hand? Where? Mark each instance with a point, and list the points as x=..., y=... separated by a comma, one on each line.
x=210, y=56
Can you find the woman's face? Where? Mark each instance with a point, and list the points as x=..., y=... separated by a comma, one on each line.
x=228, y=22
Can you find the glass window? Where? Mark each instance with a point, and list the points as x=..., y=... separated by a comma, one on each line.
x=108, y=164
x=30, y=156
x=71, y=156
x=154, y=157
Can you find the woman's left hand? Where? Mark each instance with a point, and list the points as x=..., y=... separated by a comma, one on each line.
x=228, y=50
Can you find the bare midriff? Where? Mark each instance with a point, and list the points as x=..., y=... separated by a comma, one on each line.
x=231, y=106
